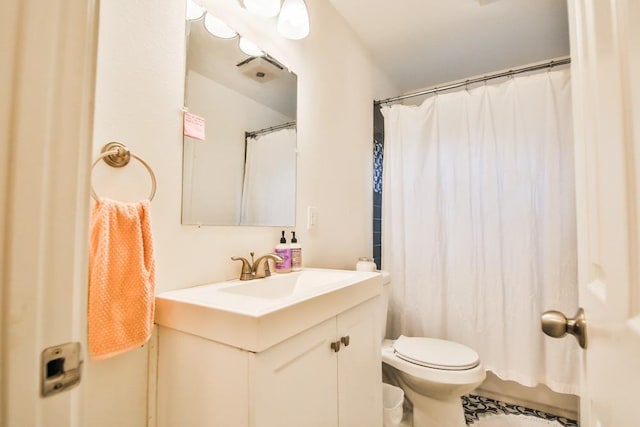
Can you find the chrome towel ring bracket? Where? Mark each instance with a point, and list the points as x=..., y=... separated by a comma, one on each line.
x=117, y=155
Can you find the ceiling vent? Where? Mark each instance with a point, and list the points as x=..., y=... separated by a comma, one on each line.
x=261, y=69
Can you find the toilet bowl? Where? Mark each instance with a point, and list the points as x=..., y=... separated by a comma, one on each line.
x=433, y=373
x=434, y=391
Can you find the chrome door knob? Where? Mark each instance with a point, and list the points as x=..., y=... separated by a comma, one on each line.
x=557, y=325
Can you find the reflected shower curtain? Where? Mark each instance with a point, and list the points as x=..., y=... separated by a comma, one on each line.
x=479, y=228
x=269, y=189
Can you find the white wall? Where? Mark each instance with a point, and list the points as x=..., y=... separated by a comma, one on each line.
x=141, y=57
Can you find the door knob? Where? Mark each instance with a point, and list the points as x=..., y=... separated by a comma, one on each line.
x=557, y=325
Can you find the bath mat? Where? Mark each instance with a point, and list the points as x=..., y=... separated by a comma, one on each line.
x=477, y=408
x=504, y=420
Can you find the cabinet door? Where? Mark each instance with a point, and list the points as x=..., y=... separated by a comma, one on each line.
x=295, y=382
x=201, y=383
x=360, y=366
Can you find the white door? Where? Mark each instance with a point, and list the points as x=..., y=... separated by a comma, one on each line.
x=605, y=52
x=47, y=57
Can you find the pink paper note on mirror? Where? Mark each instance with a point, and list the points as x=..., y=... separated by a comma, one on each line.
x=193, y=126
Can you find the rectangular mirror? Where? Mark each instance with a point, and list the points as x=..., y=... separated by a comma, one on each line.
x=244, y=171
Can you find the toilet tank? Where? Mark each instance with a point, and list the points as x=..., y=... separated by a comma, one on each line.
x=386, y=294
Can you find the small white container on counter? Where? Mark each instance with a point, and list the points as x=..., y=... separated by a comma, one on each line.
x=365, y=264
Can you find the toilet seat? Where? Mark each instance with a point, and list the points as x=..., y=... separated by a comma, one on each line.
x=435, y=353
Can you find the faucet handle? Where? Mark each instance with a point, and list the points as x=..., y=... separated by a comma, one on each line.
x=247, y=272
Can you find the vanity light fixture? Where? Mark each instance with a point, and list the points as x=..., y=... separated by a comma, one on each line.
x=194, y=10
x=264, y=8
x=217, y=27
x=250, y=48
x=293, y=21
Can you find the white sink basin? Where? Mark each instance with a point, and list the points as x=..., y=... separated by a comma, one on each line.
x=287, y=285
x=256, y=314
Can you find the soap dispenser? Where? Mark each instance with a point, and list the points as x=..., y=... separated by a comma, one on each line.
x=284, y=251
x=296, y=253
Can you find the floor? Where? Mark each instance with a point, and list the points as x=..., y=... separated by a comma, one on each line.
x=475, y=407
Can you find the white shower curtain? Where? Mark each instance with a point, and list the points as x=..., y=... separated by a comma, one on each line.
x=269, y=190
x=479, y=226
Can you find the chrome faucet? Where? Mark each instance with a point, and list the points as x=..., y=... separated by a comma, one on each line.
x=250, y=269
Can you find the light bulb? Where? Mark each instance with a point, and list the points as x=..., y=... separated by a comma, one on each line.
x=249, y=47
x=293, y=22
x=194, y=10
x=217, y=27
x=264, y=8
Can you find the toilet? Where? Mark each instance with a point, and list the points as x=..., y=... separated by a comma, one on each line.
x=433, y=373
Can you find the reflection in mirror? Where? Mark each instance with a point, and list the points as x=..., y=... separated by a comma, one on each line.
x=244, y=171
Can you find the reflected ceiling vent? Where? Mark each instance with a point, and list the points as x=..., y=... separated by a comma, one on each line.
x=261, y=69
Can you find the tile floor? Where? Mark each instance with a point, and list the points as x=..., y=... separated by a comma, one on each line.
x=477, y=406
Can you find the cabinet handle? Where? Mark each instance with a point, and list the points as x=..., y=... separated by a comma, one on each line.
x=345, y=341
x=335, y=346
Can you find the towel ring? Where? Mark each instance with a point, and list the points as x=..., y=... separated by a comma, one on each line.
x=118, y=155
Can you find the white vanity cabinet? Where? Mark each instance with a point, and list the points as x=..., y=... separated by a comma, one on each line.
x=303, y=381
x=299, y=382
x=300, y=349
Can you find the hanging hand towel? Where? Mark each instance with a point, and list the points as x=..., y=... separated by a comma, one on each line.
x=121, y=278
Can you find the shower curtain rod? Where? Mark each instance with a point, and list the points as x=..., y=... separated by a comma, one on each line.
x=269, y=129
x=436, y=89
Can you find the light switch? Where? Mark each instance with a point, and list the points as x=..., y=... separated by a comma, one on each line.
x=312, y=218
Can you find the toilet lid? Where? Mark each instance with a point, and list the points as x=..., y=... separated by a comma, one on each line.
x=435, y=353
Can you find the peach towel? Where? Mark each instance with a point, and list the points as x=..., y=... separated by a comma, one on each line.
x=121, y=277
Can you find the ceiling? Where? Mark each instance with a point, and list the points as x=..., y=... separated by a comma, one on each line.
x=423, y=43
